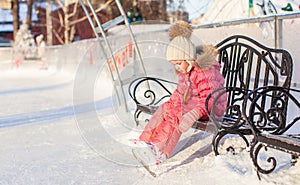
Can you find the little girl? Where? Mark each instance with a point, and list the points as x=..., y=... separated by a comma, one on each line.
x=198, y=76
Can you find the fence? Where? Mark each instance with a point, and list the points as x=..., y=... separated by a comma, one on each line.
x=278, y=31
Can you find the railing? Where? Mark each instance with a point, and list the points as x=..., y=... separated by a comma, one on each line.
x=283, y=33
x=277, y=18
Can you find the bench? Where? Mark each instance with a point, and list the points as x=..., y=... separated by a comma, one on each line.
x=265, y=110
x=148, y=99
x=246, y=65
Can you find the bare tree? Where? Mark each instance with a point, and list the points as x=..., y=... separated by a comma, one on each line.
x=68, y=18
x=65, y=20
x=29, y=12
x=15, y=12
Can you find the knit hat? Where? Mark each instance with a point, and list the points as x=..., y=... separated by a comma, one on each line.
x=180, y=47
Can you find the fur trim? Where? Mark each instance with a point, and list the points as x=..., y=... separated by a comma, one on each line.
x=180, y=28
x=206, y=58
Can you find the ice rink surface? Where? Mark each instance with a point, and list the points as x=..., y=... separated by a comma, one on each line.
x=63, y=125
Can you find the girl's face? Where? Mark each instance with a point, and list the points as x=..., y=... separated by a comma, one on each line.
x=180, y=65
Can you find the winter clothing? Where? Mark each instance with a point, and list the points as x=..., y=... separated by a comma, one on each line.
x=180, y=28
x=207, y=58
x=150, y=157
x=188, y=119
x=163, y=128
x=148, y=152
x=187, y=102
x=181, y=48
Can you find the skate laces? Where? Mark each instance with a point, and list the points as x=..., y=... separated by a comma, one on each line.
x=139, y=143
x=160, y=157
x=156, y=154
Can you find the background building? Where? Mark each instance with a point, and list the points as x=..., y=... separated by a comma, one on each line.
x=65, y=20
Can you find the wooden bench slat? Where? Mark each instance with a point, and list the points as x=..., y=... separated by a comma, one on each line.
x=283, y=142
x=148, y=109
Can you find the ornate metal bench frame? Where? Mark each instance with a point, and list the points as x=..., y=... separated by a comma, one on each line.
x=148, y=101
x=246, y=65
x=267, y=114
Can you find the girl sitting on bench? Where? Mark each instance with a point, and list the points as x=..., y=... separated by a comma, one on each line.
x=198, y=75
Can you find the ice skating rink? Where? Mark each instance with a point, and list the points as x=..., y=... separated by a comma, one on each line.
x=64, y=125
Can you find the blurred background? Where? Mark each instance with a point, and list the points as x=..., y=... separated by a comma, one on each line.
x=63, y=21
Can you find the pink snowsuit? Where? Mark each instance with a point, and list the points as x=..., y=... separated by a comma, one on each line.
x=162, y=129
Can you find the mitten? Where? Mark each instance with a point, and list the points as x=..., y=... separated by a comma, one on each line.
x=157, y=117
x=188, y=120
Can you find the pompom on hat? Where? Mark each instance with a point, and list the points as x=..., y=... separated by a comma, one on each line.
x=180, y=47
x=180, y=28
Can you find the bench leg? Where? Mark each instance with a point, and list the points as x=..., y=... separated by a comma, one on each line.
x=216, y=141
x=136, y=116
x=254, y=151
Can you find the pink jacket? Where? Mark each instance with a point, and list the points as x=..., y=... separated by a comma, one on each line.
x=162, y=128
x=203, y=82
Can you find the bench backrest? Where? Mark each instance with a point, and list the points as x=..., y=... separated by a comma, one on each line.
x=247, y=65
x=272, y=119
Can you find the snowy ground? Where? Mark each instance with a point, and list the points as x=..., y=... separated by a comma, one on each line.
x=46, y=140
x=63, y=127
